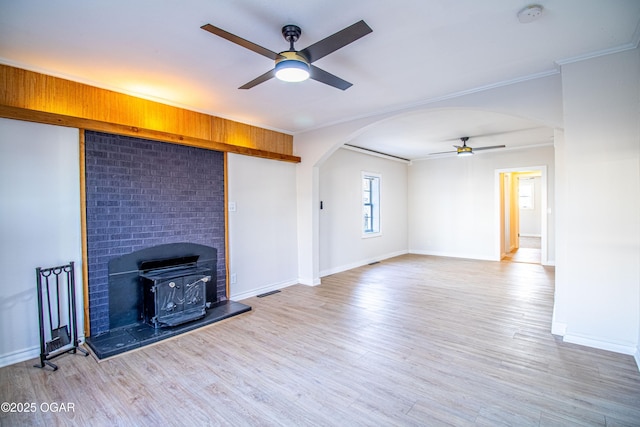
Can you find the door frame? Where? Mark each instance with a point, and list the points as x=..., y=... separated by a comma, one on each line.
x=499, y=211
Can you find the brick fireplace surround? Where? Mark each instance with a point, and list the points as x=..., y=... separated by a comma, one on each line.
x=143, y=193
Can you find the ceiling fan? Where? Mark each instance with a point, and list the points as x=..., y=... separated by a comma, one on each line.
x=293, y=65
x=465, y=150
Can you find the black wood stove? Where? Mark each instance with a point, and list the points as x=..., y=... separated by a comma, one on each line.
x=138, y=279
x=160, y=292
x=174, y=291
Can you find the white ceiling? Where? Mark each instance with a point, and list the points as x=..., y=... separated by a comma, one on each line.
x=418, y=51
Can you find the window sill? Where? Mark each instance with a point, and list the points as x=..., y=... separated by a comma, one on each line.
x=369, y=235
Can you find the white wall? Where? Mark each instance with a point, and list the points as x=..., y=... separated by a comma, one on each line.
x=453, y=202
x=39, y=225
x=262, y=229
x=598, y=268
x=341, y=243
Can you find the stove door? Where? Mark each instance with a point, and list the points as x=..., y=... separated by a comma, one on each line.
x=194, y=291
x=169, y=298
x=180, y=299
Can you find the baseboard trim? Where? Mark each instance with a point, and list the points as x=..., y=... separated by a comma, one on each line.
x=599, y=344
x=559, y=329
x=309, y=282
x=262, y=290
x=360, y=263
x=452, y=255
x=19, y=356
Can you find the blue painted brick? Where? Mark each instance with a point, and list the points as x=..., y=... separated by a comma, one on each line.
x=143, y=193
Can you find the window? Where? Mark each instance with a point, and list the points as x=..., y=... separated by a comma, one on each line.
x=525, y=194
x=370, y=204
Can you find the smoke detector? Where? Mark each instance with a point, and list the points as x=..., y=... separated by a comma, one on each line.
x=530, y=13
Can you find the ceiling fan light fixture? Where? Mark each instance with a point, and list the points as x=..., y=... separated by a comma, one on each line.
x=465, y=151
x=291, y=67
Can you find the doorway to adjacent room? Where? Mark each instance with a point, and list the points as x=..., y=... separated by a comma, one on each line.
x=522, y=207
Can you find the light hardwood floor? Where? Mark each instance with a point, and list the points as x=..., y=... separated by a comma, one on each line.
x=529, y=251
x=414, y=340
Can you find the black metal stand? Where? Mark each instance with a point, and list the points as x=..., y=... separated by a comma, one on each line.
x=59, y=339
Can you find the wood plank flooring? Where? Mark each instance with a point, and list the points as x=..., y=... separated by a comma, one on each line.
x=411, y=341
x=529, y=251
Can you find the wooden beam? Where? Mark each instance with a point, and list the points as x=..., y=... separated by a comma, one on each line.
x=31, y=96
x=95, y=125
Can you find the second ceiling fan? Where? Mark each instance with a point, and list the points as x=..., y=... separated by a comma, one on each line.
x=465, y=150
x=292, y=65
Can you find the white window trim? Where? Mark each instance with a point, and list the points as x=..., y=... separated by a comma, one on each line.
x=378, y=233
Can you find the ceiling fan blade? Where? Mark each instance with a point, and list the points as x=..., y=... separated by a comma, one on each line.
x=336, y=41
x=328, y=78
x=261, y=79
x=240, y=41
x=443, y=152
x=488, y=148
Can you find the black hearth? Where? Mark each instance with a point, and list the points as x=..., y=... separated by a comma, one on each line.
x=159, y=292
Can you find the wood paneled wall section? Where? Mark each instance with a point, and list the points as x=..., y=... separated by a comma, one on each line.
x=31, y=96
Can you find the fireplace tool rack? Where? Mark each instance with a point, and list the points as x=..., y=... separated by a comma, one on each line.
x=57, y=313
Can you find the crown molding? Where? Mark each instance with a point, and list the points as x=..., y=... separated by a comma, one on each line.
x=633, y=44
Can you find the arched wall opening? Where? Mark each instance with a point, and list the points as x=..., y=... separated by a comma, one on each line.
x=537, y=100
x=425, y=238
